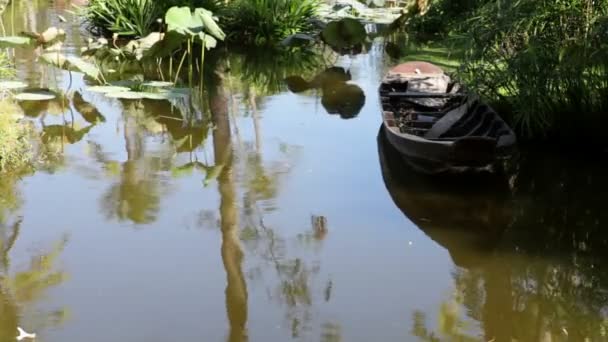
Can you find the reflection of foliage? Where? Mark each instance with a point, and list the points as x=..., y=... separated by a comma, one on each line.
x=9, y=195
x=265, y=69
x=136, y=196
x=88, y=111
x=24, y=288
x=331, y=332
x=338, y=97
x=6, y=68
x=542, y=279
x=15, y=148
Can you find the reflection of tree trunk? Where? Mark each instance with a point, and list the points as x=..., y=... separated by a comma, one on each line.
x=256, y=121
x=232, y=254
x=498, y=307
x=133, y=140
x=9, y=318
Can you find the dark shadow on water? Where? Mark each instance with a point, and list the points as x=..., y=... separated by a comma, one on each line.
x=338, y=96
x=530, y=248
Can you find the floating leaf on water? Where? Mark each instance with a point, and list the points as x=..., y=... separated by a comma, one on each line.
x=125, y=83
x=6, y=85
x=35, y=95
x=15, y=41
x=107, y=89
x=158, y=84
x=157, y=96
x=127, y=95
x=175, y=93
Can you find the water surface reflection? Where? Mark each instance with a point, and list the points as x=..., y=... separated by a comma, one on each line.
x=527, y=249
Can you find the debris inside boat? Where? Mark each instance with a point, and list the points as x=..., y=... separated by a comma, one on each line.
x=439, y=126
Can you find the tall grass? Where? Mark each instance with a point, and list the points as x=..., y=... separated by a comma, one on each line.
x=267, y=22
x=546, y=61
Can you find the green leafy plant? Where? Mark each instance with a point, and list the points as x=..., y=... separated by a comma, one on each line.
x=268, y=22
x=546, y=62
x=123, y=17
x=135, y=17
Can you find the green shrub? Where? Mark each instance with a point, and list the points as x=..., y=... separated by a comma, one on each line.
x=547, y=61
x=135, y=17
x=267, y=22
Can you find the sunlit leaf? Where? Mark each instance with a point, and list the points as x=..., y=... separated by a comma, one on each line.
x=212, y=173
x=35, y=95
x=157, y=84
x=107, y=89
x=209, y=23
x=6, y=85
x=15, y=41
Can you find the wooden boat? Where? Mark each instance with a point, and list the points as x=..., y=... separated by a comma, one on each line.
x=467, y=214
x=437, y=125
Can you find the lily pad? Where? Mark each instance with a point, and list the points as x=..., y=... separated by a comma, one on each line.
x=35, y=95
x=15, y=41
x=12, y=85
x=127, y=95
x=108, y=89
x=158, y=84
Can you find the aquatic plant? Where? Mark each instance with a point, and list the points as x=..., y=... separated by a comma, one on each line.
x=15, y=147
x=135, y=17
x=266, y=69
x=123, y=17
x=268, y=22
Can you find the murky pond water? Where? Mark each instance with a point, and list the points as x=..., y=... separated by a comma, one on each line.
x=273, y=220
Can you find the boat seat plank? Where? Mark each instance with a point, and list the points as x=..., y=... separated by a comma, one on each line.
x=421, y=95
x=449, y=119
